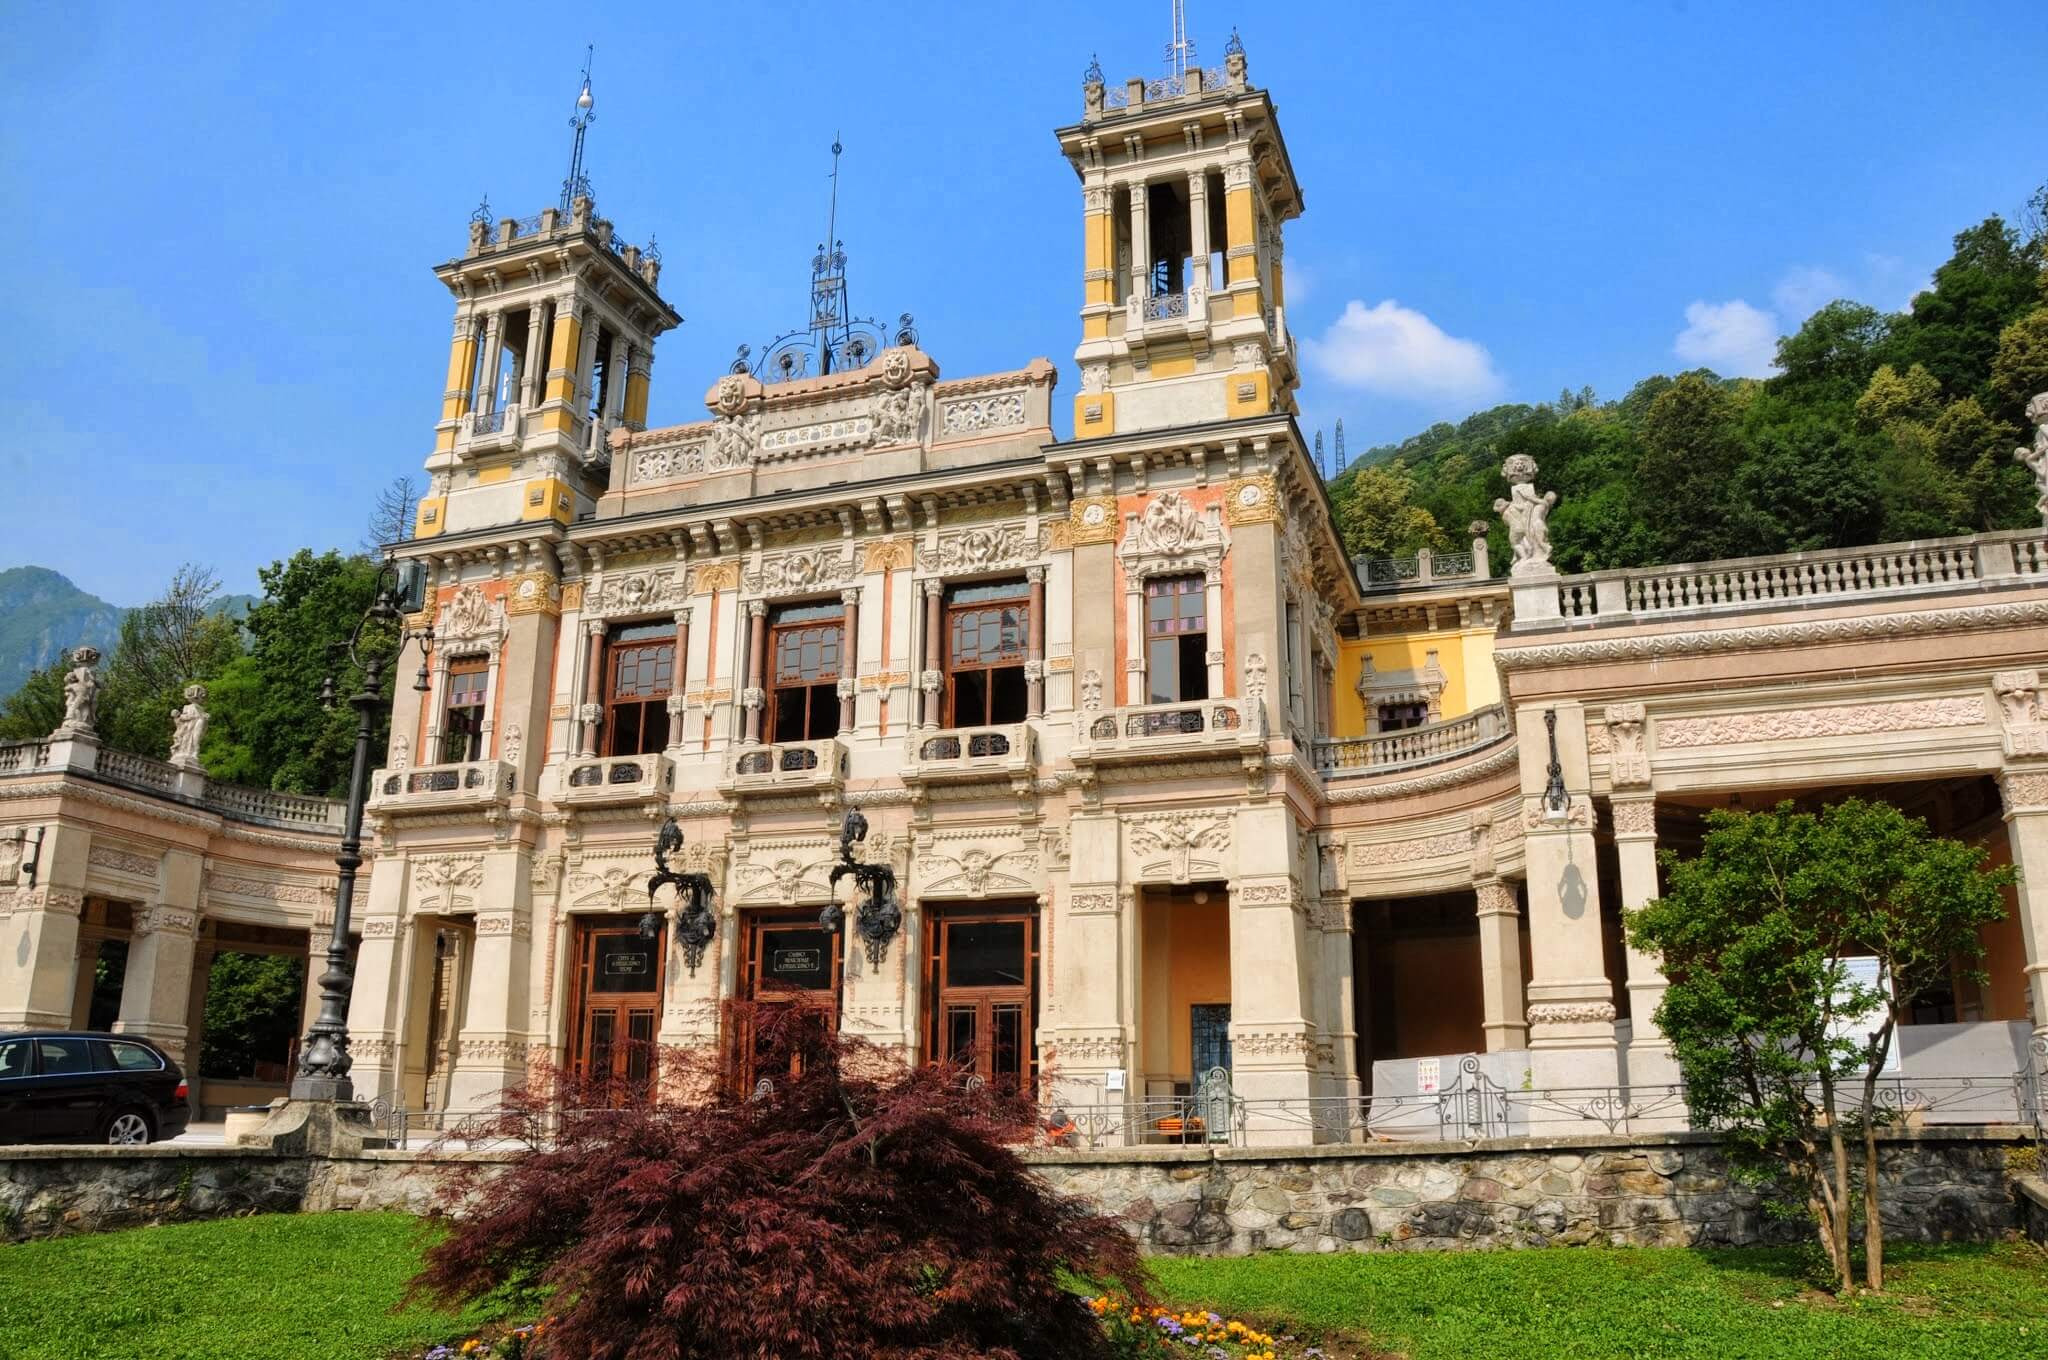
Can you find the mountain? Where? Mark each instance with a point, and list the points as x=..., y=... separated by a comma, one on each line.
x=43, y=615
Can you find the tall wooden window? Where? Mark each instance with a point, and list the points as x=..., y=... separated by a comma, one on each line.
x=462, y=721
x=1176, y=639
x=640, y=664
x=988, y=631
x=983, y=967
x=805, y=655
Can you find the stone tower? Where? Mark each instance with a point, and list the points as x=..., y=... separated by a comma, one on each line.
x=555, y=322
x=1185, y=185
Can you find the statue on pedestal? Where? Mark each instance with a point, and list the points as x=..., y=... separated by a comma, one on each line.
x=2036, y=458
x=189, y=729
x=81, y=694
x=1527, y=516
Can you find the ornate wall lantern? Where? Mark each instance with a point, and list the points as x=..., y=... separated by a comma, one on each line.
x=1557, y=804
x=878, y=915
x=695, y=923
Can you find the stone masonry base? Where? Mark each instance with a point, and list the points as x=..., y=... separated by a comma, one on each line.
x=1652, y=1190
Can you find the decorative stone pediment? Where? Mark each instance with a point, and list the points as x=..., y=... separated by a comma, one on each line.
x=471, y=616
x=982, y=547
x=618, y=594
x=802, y=571
x=446, y=882
x=1179, y=847
x=615, y=889
x=785, y=878
x=978, y=864
x=1172, y=536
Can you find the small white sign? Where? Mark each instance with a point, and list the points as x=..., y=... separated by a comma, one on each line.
x=1429, y=1075
x=1113, y=1079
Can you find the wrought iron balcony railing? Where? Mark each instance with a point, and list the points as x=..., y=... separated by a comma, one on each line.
x=1166, y=307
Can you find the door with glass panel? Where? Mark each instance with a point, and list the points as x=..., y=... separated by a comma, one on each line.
x=983, y=967
x=618, y=985
x=786, y=959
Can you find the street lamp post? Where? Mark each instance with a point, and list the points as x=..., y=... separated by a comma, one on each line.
x=323, y=1058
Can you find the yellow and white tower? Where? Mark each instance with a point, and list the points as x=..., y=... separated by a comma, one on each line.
x=555, y=322
x=1185, y=185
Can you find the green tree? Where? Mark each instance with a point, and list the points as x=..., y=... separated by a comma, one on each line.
x=2020, y=369
x=268, y=726
x=1832, y=356
x=1772, y=1025
x=252, y=1013
x=176, y=639
x=35, y=710
x=1691, y=447
x=1953, y=328
x=1376, y=518
x=1892, y=396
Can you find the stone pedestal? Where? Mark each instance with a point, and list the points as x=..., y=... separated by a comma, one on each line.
x=316, y=1128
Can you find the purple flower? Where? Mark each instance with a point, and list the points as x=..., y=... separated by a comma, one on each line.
x=1171, y=1326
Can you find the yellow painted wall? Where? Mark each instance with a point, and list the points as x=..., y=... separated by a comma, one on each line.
x=1255, y=404
x=1238, y=218
x=432, y=517
x=1465, y=656
x=1172, y=365
x=636, y=400
x=492, y=476
x=548, y=498
x=1102, y=421
x=1187, y=950
x=1097, y=255
x=562, y=363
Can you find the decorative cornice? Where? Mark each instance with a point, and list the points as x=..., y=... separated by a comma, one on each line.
x=1804, y=633
x=1840, y=720
x=1571, y=1013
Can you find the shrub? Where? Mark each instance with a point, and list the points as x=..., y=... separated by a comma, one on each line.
x=852, y=1206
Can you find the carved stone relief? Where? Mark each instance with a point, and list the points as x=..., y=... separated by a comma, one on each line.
x=987, y=547
x=1177, y=848
x=1845, y=720
x=1629, y=763
x=802, y=571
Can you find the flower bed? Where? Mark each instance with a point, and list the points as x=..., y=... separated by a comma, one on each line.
x=1136, y=1330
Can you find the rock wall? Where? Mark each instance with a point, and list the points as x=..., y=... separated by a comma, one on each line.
x=1657, y=1190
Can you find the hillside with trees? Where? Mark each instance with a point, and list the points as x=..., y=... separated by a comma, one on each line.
x=1877, y=428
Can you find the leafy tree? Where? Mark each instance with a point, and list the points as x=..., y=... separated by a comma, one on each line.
x=856, y=1208
x=268, y=726
x=1954, y=327
x=1376, y=517
x=2021, y=367
x=176, y=639
x=1833, y=355
x=36, y=709
x=1892, y=396
x=1691, y=447
x=1770, y=1024
x=252, y=1013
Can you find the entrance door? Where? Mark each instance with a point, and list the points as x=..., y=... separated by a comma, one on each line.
x=984, y=986
x=786, y=959
x=618, y=978
x=1209, y=1039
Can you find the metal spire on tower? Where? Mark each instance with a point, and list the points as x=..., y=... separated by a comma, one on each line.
x=577, y=185
x=1180, y=53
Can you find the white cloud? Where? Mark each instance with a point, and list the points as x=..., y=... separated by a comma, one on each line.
x=1804, y=290
x=1399, y=352
x=1733, y=338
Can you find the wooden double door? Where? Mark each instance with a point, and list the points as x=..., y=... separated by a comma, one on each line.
x=982, y=982
x=786, y=960
x=618, y=1007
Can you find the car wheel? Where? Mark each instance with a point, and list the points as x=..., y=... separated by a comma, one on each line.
x=127, y=1129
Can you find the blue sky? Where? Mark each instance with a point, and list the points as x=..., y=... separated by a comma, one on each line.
x=223, y=335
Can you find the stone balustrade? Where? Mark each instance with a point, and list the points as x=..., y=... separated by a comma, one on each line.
x=145, y=775
x=22, y=757
x=592, y=782
x=786, y=766
x=967, y=753
x=1413, y=746
x=469, y=783
x=138, y=772
x=1928, y=566
x=1144, y=731
x=268, y=805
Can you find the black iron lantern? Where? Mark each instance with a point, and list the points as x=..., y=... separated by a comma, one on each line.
x=695, y=922
x=877, y=914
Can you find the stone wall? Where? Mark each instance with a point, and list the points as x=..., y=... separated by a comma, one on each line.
x=1653, y=1190
x=1650, y=1190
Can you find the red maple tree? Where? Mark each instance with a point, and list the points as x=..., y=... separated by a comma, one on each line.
x=851, y=1207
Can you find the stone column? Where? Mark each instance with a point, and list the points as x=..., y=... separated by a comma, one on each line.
x=535, y=368
x=487, y=376
x=755, y=692
x=1092, y=970
x=1340, y=1013
x=1141, y=248
x=39, y=965
x=2024, y=790
x=1571, y=1005
x=491, y=1050
x=1273, y=1034
x=592, y=713
x=203, y=950
x=933, y=680
x=156, y=989
x=675, y=698
x=1135, y=639
x=1500, y=964
x=1212, y=615
x=1635, y=847
x=1198, y=233
x=615, y=378
x=586, y=365
x=849, y=656
x=1034, y=645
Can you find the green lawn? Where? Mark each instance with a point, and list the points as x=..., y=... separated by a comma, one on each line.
x=322, y=1286
x=278, y=1287
x=1954, y=1302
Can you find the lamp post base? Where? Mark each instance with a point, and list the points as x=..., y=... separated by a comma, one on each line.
x=316, y=1127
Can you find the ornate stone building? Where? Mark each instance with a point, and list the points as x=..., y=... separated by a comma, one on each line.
x=1168, y=783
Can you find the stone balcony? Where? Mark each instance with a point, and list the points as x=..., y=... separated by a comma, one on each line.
x=612, y=781
x=437, y=788
x=1412, y=747
x=788, y=767
x=966, y=755
x=1203, y=727
x=186, y=784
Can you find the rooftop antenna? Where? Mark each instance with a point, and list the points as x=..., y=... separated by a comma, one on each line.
x=1180, y=51
x=828, y=284
x=577, y=185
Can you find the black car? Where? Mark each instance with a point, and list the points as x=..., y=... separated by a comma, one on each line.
x=63, y=1086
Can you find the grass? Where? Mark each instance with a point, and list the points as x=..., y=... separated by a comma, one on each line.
x=323, y=1286
x=279, y=1287
x=1957, y=1302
